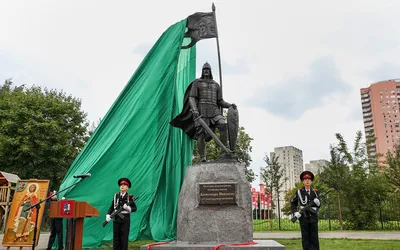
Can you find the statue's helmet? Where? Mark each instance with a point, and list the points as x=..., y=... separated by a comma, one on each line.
x=206, y=66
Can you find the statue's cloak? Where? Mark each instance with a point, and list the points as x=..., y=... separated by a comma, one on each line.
x=185, y=120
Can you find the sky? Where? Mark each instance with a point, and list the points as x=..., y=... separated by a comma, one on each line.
x=294, y=68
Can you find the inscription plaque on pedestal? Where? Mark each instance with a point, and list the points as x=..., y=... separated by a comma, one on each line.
x=217, y=193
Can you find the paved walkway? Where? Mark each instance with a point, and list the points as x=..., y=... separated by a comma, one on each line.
x=334, y=235
x=44, y=237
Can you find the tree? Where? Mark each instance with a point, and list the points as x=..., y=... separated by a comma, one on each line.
x=392, y=170
x=335, y=176
x=243, y=150
x=41, y=132
x=360, y=183
x=93, y=126
x=273, y=176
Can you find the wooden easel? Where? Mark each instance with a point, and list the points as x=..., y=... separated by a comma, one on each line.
x=20, y=248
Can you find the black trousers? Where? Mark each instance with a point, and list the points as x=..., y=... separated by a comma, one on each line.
x=309, y=233
x=121, y=232
x=55, y=230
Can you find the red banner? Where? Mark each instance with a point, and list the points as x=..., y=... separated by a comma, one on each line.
x=262, y=200
x=254, y=195
x=268, y=200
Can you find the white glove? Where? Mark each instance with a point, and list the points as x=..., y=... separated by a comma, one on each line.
x=108, y=218
x=297, y=214
x=127, y=208
x=317, y=202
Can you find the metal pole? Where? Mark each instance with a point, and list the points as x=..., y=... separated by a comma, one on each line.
x=329, y=214
x=218, y=50
x=259, y=198
x=279, y=214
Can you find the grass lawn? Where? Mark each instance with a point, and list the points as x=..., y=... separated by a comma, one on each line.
x=325, y=244
x=336, y=244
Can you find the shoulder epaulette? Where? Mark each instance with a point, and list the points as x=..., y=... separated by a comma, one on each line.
x=315, y=189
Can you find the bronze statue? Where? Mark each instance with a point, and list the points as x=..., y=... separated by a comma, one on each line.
x=202, y=114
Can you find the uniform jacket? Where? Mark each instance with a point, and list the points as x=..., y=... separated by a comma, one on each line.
x=120, y=201
x=302, y=198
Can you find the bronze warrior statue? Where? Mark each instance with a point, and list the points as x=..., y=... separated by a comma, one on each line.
x=203, y=111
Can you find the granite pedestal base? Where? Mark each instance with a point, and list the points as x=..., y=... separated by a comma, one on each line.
x=215, y=204
x=261, y=245
x=215, y=209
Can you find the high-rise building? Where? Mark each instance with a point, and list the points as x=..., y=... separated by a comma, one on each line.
x=380, y=105
x=316, y=166
x=291, y=159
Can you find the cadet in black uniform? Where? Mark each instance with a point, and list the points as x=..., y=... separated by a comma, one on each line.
x=308, y=220
x=56, y=229
x=121, y=226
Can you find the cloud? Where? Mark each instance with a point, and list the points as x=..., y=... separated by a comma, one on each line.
x=207, y=52
x=292, y=97
x=355, y=113
x=384, y=71
x=142, y=49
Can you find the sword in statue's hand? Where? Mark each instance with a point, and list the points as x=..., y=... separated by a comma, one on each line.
x=212, y=134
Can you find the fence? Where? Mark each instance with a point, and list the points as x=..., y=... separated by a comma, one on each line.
x=271, y=219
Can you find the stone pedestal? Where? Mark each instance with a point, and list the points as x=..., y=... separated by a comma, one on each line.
x=215, y=208
x=261, y=245
x=213, y=214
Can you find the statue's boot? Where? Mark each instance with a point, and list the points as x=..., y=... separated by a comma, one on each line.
x=223, y=131
x=201, y=145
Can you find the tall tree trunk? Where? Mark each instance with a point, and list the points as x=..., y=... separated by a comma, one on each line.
x=279, y=213
x=340, y=212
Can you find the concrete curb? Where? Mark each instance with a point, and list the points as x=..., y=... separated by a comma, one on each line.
x=379, y=235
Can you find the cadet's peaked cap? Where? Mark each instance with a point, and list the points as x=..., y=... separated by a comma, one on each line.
x=206, y=66
x=125, y=181
x=307, y=175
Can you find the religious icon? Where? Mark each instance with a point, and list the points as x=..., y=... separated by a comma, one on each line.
x=23, y=217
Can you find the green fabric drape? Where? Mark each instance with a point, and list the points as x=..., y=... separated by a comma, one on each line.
x=135, y=140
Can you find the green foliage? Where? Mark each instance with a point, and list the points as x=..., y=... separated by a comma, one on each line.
x=289, y=194
x=392, y=170
x=354, y=175
x=41, y=132
x=243, y=150
x=273, y=175
x=288, y=225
